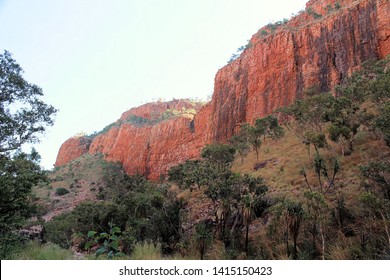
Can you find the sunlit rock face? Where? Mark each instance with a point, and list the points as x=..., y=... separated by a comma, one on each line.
x=318, y=49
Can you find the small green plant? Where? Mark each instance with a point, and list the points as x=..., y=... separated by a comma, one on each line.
x=108, y=242
x=263, y=33
x=61, y=191
x=310, y=11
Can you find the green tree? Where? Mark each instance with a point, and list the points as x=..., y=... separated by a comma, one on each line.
x=382, y=122
x=294, y=217
x=253, y=135
x=23, y=116
x=203, y=237
x=220, y=155
x=310, y=115
x=241, y=146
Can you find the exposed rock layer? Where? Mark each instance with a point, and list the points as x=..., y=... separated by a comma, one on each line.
x=274, y=70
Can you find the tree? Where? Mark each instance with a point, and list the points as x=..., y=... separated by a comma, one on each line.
x=382, y=122
x=23, y=116
x=241, y=146
x=253, y=135
x=203, y=237
x=294, y=217
x=310, y=115
x=345, y=118
x=221, y=155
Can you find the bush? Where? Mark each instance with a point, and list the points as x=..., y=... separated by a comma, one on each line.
x=61, y=191
x=59, y=230
x=9, y=244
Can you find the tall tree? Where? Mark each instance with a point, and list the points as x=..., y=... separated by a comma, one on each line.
x=23, y=116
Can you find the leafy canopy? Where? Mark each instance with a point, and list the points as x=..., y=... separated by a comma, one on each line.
x=22, y=114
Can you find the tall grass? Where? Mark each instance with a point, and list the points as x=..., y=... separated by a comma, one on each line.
x=34, y=251
x=147, y=251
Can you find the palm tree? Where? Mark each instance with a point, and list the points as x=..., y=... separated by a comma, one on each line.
x=203, y=237
x=294, y=216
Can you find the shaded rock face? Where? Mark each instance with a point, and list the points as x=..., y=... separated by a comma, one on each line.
x=271, y=73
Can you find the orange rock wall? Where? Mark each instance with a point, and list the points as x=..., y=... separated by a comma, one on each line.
x=271, y=73
x=276, y=69
x=71, y=149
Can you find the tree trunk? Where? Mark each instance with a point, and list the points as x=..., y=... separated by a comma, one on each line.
x=247, y=238
x=323, y=243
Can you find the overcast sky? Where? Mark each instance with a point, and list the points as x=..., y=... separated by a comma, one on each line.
x=96, y=59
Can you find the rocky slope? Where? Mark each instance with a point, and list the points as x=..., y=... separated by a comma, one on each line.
x=318, y=48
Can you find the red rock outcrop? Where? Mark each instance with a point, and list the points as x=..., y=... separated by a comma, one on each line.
x=319, y=47
x=72, y=149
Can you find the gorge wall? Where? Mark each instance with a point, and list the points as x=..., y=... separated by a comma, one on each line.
x=317, y=48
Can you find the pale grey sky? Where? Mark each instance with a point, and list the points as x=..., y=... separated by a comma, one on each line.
x=96, y=59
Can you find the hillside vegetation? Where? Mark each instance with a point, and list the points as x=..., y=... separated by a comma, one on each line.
x=311, y=181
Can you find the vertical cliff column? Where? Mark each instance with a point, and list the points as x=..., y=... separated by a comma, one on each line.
x=229, y=100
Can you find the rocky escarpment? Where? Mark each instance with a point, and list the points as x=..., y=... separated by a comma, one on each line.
x=317, y=48
x=279, y=65
x=148, y=139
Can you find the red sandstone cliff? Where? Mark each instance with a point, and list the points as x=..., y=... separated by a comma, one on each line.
x=272, y=71
x=71, y=149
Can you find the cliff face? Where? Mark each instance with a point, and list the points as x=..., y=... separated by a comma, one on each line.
x=150, y=148
x=276, y=68
x=318, y=48
x=72, y=149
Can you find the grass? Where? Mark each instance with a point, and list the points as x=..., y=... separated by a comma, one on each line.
x=34, y=251
x=289, y=155
x=146, y=251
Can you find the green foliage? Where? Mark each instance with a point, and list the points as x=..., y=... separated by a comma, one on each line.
x=203, y=237
x=267, y=126
x=60, y=229
x=221, y=155
x=87, y=215
x=186, y=174
x=238, y=52
x=294, y=216
x=241, y=146
x=23, y=116
x=18, y=175
x=310, y=11
x=377, y=176
x=10, y=244
x=263, y=33
x=35, y=251
x=325, y=172
x=233, y=195
x=252, y=135
x=61, y=191
x=382, y=122
x=108, y=243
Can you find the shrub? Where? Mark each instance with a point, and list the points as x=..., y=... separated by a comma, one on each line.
x=61, y=191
